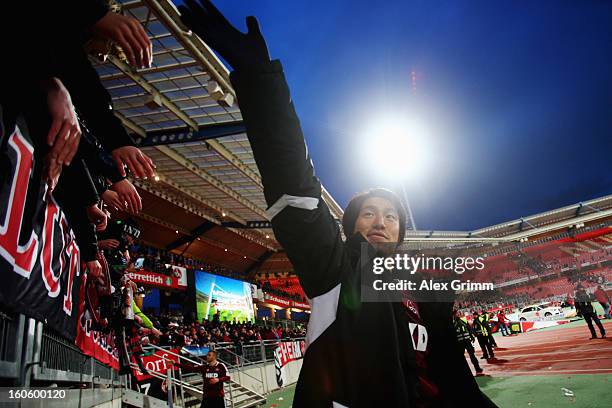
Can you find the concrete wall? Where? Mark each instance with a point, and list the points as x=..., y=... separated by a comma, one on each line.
x=89, y=398
x=267, y=372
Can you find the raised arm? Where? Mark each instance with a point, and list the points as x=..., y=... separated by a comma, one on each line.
x=300, y=218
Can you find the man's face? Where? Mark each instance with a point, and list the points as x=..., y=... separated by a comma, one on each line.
x=210, y=357
x=378, y=221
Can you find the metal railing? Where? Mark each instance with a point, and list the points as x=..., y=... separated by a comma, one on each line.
x=242, y=360
x=58, y=353
x=11, y=344
x=284, y=323
x=248, y=353
x=30, y=351
x=182, y=381
x=176, y=381
x=172, y=383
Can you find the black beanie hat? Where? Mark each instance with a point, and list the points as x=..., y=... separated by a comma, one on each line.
x=354, y=206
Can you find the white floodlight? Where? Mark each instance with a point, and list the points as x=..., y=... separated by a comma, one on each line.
x=397, y=148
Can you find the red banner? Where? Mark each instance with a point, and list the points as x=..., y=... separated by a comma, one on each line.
x=40, y=263
x=301, y=305
x=275, y=300
x=92, y=343
x=157, y=363
x=282, y=302
x=39, y=256
x=290, y=351
x=286, y=352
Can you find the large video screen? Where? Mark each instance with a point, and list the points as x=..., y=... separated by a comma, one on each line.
x=230, y=297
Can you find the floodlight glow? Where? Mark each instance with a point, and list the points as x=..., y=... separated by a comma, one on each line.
x=397, y=149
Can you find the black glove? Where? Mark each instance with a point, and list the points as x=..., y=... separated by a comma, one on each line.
x=238, y=49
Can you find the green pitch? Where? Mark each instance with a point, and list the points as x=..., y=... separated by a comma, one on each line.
x=590, y=391
x=224, y=315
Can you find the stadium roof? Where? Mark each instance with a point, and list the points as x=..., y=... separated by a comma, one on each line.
x=587, y=212
x=209, y=186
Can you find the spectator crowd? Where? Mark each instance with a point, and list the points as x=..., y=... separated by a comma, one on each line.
x=176, y=331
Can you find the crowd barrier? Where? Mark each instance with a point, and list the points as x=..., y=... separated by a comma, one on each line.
x=31, y=352
x=249, y=353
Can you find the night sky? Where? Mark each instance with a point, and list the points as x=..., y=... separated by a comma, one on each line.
x=517, y=97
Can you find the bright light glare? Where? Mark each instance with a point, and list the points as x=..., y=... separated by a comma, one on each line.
x=397, y=149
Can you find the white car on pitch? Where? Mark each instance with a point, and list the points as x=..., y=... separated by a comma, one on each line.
x=539, y=312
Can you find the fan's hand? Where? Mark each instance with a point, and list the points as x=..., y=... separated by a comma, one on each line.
x=108, y=244
x=140, y=165
x=128, y=194
x=97, y=217
x=238, y=49
x=65, y=132
x=129, y=34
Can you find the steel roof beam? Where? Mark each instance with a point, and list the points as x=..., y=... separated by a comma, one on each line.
x=190, y=236
x=222, y=150
x=173, y=199
x=518, y=235
x=246, y=234
x=195, y=234
x=152, y=70
x=181, y=189
x=167, y=13
x=189, y=165
x=170, y=226
x=557, y=211
x=185, y=128
x=129, y=124
x=249, y=224
x=131, y=5
x=331, y=203
x=196, y=212
x=153, y=91
x=158, y=138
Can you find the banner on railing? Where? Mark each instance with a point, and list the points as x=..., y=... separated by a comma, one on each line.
x=93, y=343
x=40, y=265
x=39, y=258
x=159, y=362
x=286, y=352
